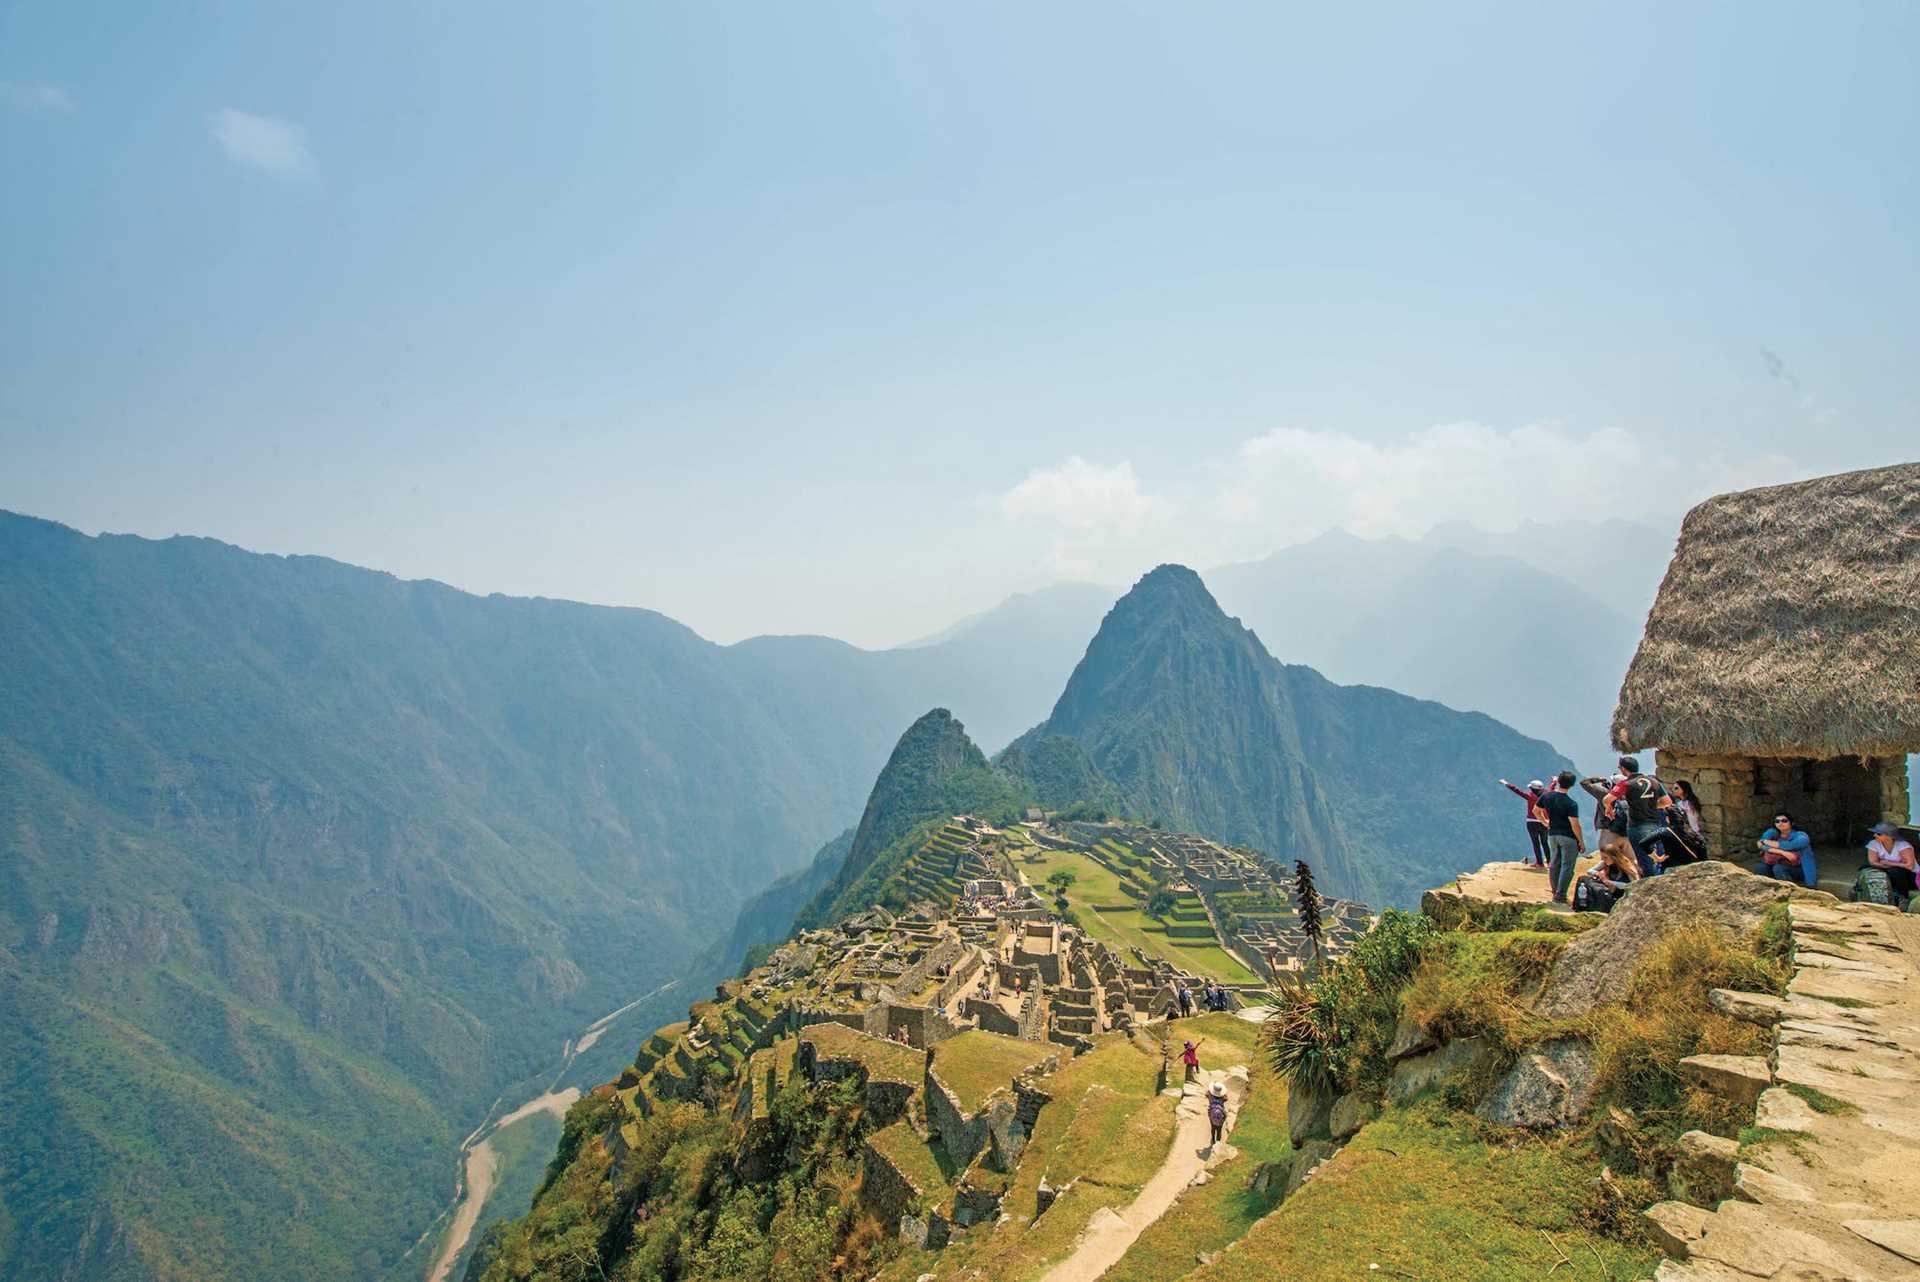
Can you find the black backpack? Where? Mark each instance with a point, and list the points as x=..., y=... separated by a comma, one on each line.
x=1591, y=895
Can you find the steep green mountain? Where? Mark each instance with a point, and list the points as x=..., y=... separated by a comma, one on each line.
x=305, y=866
x=935, y=771
x=1199, y=728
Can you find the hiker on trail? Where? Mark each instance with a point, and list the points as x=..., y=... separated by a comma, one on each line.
x=1646, y=802
x=1786, y=853
x=1190, y=1056
x=1216, y=1109
x=1536, y=825
x=1894, y=856
x=1186, y=1001
x=1565, y=842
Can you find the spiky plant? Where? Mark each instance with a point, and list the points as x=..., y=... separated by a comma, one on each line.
x=1308, y=900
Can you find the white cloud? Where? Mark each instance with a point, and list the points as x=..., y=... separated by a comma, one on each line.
x=1292, y=484
x=271, y=145
x=1090, y=514
x=35, y=97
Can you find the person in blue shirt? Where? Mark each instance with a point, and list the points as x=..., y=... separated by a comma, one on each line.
x=1787, y=853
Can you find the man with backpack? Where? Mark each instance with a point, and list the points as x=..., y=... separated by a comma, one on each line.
x=1646, y=801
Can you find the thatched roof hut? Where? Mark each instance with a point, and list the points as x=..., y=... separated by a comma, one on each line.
x=1780, y=669
x=1788, y=625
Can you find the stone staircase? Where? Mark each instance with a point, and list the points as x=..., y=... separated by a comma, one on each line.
x=1832, y=1196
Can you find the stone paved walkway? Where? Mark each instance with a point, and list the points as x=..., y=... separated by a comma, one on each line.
x=1837, y=1197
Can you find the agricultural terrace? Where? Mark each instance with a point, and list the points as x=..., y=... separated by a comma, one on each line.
x=1109, y=910
x=976, y=1064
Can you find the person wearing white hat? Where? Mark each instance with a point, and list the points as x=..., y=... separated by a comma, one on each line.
x=1536, y=824
x=1217, y=1109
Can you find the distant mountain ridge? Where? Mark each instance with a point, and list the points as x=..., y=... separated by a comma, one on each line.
x=1198, y=727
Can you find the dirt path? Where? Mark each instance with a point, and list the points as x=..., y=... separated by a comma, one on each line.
x=1109, y=1233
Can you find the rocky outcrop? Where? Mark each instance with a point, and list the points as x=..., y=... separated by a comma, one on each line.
x=1308, y=1110
x=1449, y=1062
x=1587, y=973
x=1551, y=1086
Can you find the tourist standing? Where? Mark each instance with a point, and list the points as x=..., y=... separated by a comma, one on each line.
x=1217, y=1109
x=1190, y=1056
x=1565, y=842
x=1536, y=826
x=1646, y=801
x=1186, y=1001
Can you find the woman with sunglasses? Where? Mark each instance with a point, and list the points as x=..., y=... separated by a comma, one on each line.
x=1786, y=853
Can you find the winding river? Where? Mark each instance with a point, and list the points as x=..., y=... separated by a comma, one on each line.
x=480, y=1164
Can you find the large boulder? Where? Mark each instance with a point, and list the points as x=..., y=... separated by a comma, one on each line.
x=1349, y=1113
x=1551, y=1086
x=1454, y=1060
x=1588, y=972
x=1307, y=1112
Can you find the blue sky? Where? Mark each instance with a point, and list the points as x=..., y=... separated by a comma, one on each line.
x=854, y=318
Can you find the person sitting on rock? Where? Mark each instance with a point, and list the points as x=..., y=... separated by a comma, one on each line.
x=1217, y=1109
x=1893, y=856
x=1786, y=853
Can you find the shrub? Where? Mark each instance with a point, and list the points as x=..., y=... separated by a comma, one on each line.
x=1331, y=1033
x=1476, y=985
x=1639, y=1042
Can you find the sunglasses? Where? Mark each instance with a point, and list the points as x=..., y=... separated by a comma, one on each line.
x=1782, y=819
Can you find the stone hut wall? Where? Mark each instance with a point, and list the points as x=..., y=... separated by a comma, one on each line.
x=1835, y=801
x=991, y=1018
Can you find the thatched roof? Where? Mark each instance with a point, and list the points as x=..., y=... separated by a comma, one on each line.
x=1788, y=625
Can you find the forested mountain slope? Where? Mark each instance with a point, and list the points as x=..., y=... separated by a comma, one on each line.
x=304, y=864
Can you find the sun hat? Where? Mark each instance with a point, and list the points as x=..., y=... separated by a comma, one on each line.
x=1189, y=1046
x=1885, y=829
x=1536, y=784
x=1218, y=1090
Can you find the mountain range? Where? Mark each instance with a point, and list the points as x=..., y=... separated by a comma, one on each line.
x=308, y=866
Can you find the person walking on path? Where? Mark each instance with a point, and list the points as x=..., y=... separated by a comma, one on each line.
x=1646, y=801
x=1190, y=1057
x=1536, y=826
x=1565, y=842
x=1786, y=853
x=1216, y=1109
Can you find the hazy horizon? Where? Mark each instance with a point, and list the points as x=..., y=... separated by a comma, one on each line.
x=856, y=319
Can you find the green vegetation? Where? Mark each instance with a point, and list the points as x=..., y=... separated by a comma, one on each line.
x=1331, y=1032
x=1425, y=1193
x=1818, y=1100
x=1110, y=914
x=976, y=1064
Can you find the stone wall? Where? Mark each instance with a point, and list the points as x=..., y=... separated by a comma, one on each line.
x=991, y=1018
x=884, y=1187
x=1834, y=801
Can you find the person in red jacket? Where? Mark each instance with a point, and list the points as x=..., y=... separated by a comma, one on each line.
x=1536, y=822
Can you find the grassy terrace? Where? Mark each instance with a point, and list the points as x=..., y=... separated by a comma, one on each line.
x=1106, y=1130
x=885, y=1061
x=1108, y=913
x=976, y=1064
x=1422, y=1194
x=911, y=1155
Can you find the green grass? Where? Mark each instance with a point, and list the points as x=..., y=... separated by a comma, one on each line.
x=885, y=1061
x=1819, y=1101
x=976, y=1064
x=1424, y=1195
x=1106, y=1130
x=912, y=1156
x=1123, y=926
